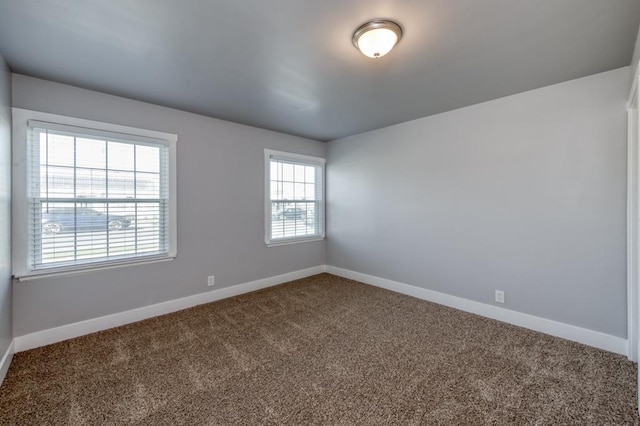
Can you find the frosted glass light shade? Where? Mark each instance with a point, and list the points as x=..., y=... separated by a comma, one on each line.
x=376, y=38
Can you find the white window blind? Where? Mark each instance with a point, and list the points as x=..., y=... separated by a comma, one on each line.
x=294, y=197
x=95, y=196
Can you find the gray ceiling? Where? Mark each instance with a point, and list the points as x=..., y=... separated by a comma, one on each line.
x=289, y=65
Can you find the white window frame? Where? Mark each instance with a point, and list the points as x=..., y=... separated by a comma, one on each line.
x=21, y=261
x=304, y=159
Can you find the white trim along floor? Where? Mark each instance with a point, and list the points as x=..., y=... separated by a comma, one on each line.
x=554, y=328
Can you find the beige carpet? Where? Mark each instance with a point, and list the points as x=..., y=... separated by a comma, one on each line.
x=322, y=350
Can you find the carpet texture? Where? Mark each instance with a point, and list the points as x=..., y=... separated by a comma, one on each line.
x=321, y=350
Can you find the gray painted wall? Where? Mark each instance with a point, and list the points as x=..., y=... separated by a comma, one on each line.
x=6, y=323
x=636, y=56
x=526, y=194
x=220, y=212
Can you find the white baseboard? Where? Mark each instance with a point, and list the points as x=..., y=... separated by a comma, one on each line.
x=69, y=331
x=570, y=332
x=6, y=361
x=554, y=328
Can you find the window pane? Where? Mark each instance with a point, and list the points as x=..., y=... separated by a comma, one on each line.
x=147, y=158
x=309, y=191
x=120, y=184
x=276, y=190
x=149, y=227
x=298, y=173
x=120, y=156
x=287, y=172
x=80, y=231
x=91, y=183
x=147, y=185
x=90, y=153
x=57, y=182
x=77, y=231
x=292, y=220
x=287, y=191
x=310, y=174
x=56, y=245
x=59, y=150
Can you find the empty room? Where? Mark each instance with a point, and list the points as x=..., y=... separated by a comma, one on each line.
x=355, y=212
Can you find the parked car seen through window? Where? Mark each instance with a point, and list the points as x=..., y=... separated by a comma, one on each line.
x=69, y=219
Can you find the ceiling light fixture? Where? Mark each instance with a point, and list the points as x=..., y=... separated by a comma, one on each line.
x=377, y=37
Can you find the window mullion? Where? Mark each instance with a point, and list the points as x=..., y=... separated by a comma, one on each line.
x=106, y=191
x=75, y=204
x=135, y=195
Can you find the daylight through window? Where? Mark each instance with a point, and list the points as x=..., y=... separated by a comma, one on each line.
x=295, y=197
x=95, y=196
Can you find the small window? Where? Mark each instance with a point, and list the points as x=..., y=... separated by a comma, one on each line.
x=95, y=196
x=294, y=198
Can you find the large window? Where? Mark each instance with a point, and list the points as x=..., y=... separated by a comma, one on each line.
x=96, y=195
x=294, y=197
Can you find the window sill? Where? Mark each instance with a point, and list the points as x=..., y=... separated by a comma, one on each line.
x=85, y=269
x=292, y=241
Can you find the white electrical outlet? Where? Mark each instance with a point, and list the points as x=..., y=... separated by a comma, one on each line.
x=499, y=296
x=211, y=280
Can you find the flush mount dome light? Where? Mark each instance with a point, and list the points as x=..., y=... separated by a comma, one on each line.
x=377, y=37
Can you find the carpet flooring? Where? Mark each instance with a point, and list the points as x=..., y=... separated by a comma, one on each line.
x=321, y=350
